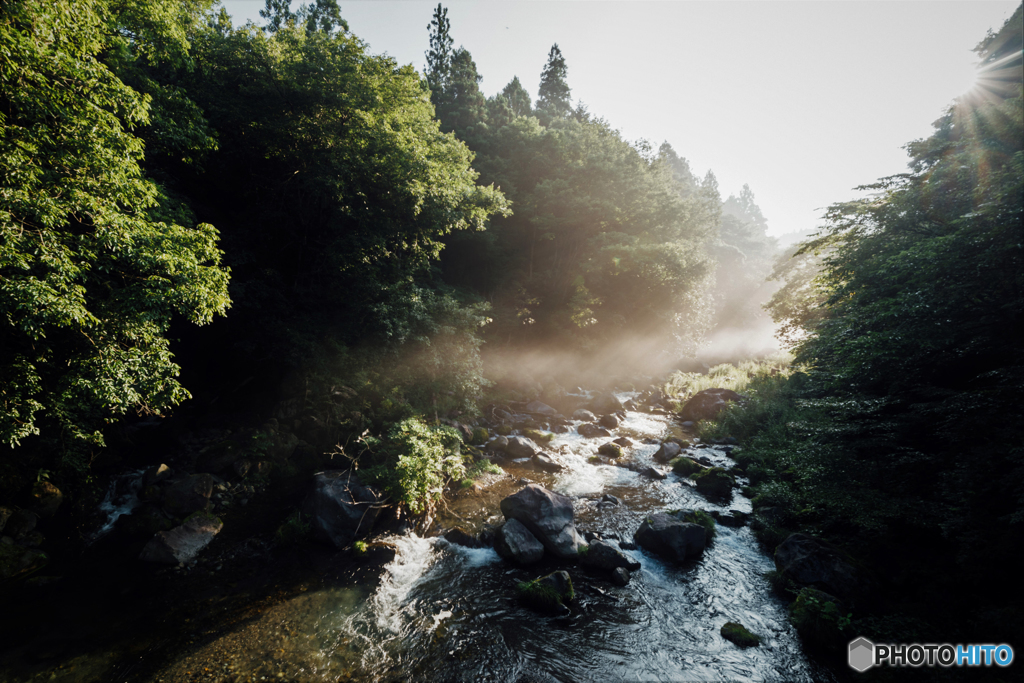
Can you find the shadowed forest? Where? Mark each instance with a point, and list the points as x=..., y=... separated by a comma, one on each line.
x=246, y=238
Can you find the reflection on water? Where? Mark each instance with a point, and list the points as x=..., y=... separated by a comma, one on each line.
x=441, y=612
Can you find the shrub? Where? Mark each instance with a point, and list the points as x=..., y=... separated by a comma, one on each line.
x=414, y=461
x=705, y=520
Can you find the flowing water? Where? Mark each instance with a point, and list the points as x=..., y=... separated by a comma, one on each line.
x=442, y=612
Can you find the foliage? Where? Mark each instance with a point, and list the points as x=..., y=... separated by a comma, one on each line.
x=553, y=101
x=705, y=520
x=91, y=274
x=294, y=528
x=819, y=619
x=413, y=463
x=736, y=377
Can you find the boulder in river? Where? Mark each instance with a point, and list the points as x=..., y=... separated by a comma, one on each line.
x=609, y=421
x=521, y=447
x=714, y=482
x=707, y=404
x=459, y=536
x=584, y=415
x=808, y=561
x=515, y=543
x=670, y=538
x=155, y=474
x=549, y=517
x=605, y=556
x=340, y=508
x=189, y=494
x=738, y=635
x=605, y=403
x=591, y=431
x=620, y=576
x=668, y=451
x=545, y=463
x=539, y=408
x=550, y=593
x=182, y=543
x=143, y=522
x=686, y=467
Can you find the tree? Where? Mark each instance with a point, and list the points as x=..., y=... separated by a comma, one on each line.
x=90, y=276
x=518, y=97
x=553, y=96
x=439, y=56
x=460, y=106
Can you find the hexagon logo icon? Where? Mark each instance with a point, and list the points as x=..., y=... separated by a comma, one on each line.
x=861, y=654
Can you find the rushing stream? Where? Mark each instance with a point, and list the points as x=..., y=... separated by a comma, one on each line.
x=442, y=612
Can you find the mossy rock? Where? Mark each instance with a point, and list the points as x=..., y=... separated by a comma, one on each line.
x=503, y=430
x=686, y=467
x=538, y=436
x=480, y=435
x=612, y=450
x=821, y=619
x=714, y=482
x=705, y=520
x=550, y=593
x=737, y=634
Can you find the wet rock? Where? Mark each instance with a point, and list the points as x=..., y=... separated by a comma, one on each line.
x=155, y=474
x=651, y=473
x=612, y=450
x=732, y=518
x=591, y=431
x=668, y=451
x=549, y=517
x=609, y=498
x=459, y=536
x=584, y=415
x=559, y=429
x=737, y=634
x=188, y=495
x=340, y=508
x=707, y=404
x=21, y=523
x=182, y=543
x=550, y=593
x=46, y=499
x=808, y=561
x=480, y=435
x=544, y=463
x=605, y=403
x=714, y=482
x=515, y=543
x=539, y=408
x=620, y=576
x=16, y=560
x=521, y=447
x=499, y=443
x=670, y=538
x=686, y=467
x=623, y=441
x=606, y=557
x=143, y=522
x=609, y=421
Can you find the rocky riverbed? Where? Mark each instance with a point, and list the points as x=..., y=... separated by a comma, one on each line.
x=445, y=601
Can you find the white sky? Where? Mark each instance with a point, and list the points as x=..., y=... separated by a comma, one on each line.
x=801, y=100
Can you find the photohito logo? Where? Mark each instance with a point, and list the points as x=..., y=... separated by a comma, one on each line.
x=863, y=654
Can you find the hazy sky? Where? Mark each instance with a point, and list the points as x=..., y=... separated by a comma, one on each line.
x=800, y=100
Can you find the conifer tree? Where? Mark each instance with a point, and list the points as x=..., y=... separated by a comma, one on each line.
x=553, y=101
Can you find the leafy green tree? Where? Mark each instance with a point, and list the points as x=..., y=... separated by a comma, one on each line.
x=90, y=276
x=553, y=95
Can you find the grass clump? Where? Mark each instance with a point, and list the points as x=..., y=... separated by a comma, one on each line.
x=293, y=529
x=705, y=520
x=686, y=467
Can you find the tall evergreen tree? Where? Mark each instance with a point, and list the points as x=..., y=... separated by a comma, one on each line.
x=553, y=101
x=439, y=56
x=461, y=107
x=518, y=97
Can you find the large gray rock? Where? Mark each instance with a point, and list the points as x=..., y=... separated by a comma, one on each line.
x=605, y=556
x=670, y=538
x=668, y=451
x=182, y=543
x=591, y=431
x=707, y=404
x=340, y=508
x=545, y=463
x=808, y=561
x=549, y=517
x=538, y=408
x=188, y=495
x=515, y=543
x=584, y=415
x=499, y=443
x=609, y=421
x=521, y=447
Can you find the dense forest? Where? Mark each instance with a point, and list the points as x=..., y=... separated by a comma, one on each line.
x=219, y=225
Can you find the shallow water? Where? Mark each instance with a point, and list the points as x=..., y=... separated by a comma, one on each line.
x=441, y=612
